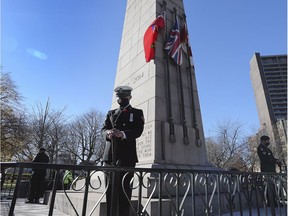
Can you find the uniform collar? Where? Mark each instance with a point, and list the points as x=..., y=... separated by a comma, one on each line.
x=126, y=108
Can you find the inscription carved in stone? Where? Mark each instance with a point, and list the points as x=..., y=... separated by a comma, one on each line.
x=144, y=143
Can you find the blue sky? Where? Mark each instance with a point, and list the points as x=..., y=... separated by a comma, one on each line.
x=67, y=50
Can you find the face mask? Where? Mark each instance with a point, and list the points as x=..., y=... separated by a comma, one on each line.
x=123, y=102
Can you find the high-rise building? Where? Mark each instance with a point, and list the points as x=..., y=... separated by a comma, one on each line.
x=269, y=80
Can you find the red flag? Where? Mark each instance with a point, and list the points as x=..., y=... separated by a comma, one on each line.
x=151, y=35
x=185, y=42
x=173, y=45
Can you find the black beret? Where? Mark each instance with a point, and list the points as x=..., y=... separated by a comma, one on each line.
x=123, y=91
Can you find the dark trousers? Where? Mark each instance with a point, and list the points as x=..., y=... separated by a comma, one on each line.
x=37, y=186
x=119, y=197
x=271, y=195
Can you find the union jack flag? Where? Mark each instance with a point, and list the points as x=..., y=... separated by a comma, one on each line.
x=173, y=45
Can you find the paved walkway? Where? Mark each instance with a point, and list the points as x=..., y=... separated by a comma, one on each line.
x=278, y=212
x=27, y=209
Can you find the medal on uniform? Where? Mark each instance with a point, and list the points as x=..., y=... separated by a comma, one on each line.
x=131, y=117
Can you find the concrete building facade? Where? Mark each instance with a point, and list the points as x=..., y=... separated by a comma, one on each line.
x=269, y=80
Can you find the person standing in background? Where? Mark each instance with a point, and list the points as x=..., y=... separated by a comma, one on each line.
x=67, y=179
x=267, y=160
x=38, y=177
x=268, y=164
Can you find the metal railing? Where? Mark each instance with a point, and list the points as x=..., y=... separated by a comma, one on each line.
x=160, y=191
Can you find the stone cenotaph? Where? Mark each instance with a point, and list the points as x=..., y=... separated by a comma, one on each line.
x=165, y=91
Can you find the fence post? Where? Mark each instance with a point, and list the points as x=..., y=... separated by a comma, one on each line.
x=15, y=192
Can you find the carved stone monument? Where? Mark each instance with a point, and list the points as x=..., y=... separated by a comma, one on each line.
x=166, y=92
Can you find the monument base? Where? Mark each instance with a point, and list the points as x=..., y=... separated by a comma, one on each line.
x=160, y=165
x=187, y=205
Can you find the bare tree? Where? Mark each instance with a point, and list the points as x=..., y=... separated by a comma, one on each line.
x=85, y=140
x=13, y=119
x=57, y=136
x=280, y=145
x=250, y=154
x=9, y=95
x=47, y=129
x=224, y=150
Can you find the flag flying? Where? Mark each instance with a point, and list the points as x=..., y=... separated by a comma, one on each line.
x=185, y=42
x=173, y=45
x=151, y=35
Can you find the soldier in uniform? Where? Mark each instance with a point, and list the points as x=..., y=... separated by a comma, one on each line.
x=267, y=160
x=268, y=164
x=121, y=128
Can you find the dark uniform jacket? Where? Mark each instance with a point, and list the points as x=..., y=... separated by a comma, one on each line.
x=131, y=122
x=267, y=160
x=41, y=157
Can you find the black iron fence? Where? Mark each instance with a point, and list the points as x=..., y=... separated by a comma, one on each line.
x=154, y=191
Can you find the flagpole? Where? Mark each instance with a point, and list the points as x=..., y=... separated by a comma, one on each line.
x=185, y=133
x=182, y=104
x=169, y=104
x=191, y=70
